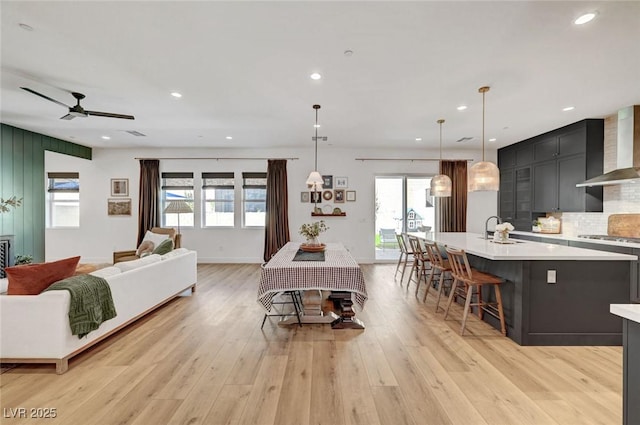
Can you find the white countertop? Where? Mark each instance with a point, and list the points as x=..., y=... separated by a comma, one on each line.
x=560, y=236
x=628, y=311
x=475, y=244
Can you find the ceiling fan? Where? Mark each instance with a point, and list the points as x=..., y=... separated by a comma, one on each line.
x=77, y=110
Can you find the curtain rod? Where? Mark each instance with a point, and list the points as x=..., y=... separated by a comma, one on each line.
x=411, y=159
x=217, y=159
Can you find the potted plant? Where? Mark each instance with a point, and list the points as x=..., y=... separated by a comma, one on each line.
x=311, y=231
x=535, y=226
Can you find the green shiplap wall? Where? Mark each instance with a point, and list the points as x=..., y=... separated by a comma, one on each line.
x=22, y=175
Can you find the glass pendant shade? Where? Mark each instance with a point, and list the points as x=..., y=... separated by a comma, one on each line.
x=441, y=186
x=484, y=176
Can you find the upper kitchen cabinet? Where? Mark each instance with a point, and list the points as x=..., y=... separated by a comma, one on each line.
x=558, y=161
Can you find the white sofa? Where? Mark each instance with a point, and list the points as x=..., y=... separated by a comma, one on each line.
x=35, y=328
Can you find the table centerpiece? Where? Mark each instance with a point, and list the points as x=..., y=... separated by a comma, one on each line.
x=311, y=231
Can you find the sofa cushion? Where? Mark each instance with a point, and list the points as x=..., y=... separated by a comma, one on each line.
x=31, y=279
x=130, y=265
x=106, y=272
x=145, y=248
x=164, y=247
x=156, y=238
x=175, y=253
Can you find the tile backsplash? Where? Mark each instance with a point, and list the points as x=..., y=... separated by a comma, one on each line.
x=617, y=199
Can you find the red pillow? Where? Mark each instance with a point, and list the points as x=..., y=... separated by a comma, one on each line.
x=31, y=279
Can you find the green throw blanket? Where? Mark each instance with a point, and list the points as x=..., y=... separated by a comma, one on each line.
x=91, y=302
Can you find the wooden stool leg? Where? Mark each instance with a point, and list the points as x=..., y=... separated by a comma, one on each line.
x=429, y=283
x=404, y=268
x=480, y=303
x=451, y=294
x=467, y=307
x=440, y=285
x=503, y=327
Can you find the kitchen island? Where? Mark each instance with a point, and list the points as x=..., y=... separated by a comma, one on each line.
x=630, y=314
x=552, y=294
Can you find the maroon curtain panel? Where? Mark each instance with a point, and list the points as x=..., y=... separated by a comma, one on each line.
x=453, y=210
x=276, y=227
x=148, y=207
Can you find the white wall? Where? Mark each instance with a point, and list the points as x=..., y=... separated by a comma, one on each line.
x=99, y=235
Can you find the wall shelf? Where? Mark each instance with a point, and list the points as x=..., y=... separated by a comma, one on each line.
x=342, y=214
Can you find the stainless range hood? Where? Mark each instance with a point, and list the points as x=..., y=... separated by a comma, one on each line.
x=628, y=151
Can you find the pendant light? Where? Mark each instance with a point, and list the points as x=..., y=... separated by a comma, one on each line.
x=441, y=183
x=314, y=181
x=484, y=175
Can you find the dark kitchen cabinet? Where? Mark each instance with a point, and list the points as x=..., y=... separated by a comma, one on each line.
x=557, y=160
x=545, y=186
x=515, y=197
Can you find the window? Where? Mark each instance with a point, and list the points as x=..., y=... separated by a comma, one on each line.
x=177, y=187
x=254, y=200
x=218, y=199
x=63, y=200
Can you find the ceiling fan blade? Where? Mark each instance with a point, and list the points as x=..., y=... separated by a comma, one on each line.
x=110, y=115
x=68, y=117
x=45, y=97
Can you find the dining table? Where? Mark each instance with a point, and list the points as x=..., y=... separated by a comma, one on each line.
x=333, y=269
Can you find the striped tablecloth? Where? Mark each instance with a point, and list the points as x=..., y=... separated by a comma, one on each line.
x=339, y=272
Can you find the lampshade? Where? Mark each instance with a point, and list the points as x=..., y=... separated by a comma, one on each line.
x=315, y=179
x=178, y=207
x=441, y=183
x=483, y=175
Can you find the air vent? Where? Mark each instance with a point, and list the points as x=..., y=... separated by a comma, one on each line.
x=320, y=138
x=464, y=139
x=136, y=133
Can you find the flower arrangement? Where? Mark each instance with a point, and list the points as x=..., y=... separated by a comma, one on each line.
x=502, y=231
x=311, y=231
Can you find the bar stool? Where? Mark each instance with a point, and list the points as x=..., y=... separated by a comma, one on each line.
x=472, y=278
x=439, y=266
x=405, y=252
x=421, y=262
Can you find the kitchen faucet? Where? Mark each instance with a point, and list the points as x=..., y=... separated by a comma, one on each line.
x=486, y=225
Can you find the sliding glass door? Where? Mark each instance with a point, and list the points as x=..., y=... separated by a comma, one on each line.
x=402, y=204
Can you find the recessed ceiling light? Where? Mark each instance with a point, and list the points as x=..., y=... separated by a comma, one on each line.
x=492, y=139
x=315, y=76
x=26, y=27
x=461, y=108
x=418, y=139
x=229, y=138
x=569, y=108
x=106, y=137
x=176, y=94
x=587, y=17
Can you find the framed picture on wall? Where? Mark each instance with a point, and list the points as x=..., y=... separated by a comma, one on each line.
x=342, y=182
x=316, y=197
x=338, y=196
x=119, y=187
x=304, y=197
x=327, y=182
x=118, y=207
x=351, y=195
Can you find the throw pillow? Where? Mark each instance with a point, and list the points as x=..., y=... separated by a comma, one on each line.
x=164, y=247
x=156, y=238
x=31, y=279
x=145, y=248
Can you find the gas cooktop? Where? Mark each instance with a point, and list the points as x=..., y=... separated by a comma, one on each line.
x=611, y=238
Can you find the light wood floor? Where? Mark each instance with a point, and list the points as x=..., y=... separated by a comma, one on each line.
x=204, y=360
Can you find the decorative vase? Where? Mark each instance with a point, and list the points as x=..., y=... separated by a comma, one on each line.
x=501, y=236
x=313, y=241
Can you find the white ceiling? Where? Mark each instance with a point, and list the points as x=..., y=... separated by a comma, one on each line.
x=243, y=69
